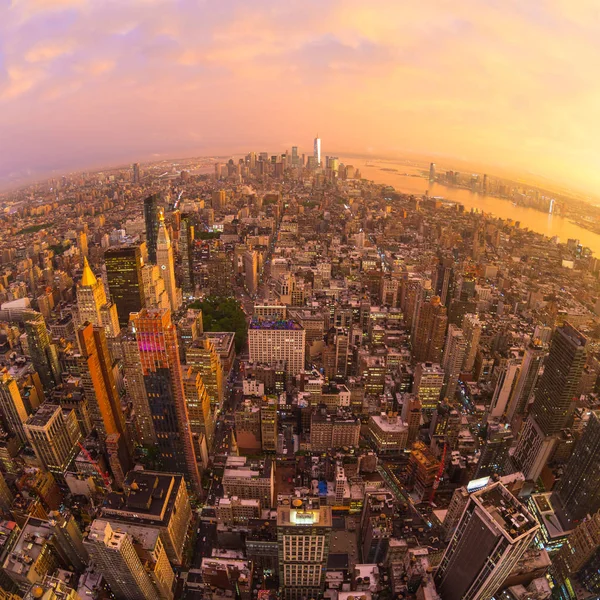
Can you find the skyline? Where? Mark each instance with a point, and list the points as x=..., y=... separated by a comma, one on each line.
x=83, y=85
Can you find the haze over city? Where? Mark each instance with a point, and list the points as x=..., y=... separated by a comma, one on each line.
x=504, y=84
x=299, y=300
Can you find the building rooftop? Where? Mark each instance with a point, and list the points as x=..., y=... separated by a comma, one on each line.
x=148, y=498
x=303, y=515
x=506, y=511
x=389, y=424
x=274, y=325
x=43, y=415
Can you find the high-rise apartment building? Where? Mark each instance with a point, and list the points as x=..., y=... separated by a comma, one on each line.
x=151, y=221
x=186, y=248
x=471, y=327
x=152, y=502
x=430, y=330
x=377, y=525
x=92, y=304
x=494, y=531
x=526, y=381
x=42, y=352
x=579, y=554
x=454, y=356
x=133, y=376
x=428, y=384
x=166, y=262
x=98, y=381
x=553, y=400
x=113, y=552
x=163, y=379
x=54, y=435
x=558, y=384
x=198, y=406
x=203, y=358
x=303, y=532
x=272, y=341
x=494, y=453
x=579, y=487
x=268, y=423
x=443, y=279
x=12, y=408
x=251, y=271
x=125, y=283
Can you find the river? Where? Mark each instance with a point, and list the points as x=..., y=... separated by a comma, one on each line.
x=408, y=181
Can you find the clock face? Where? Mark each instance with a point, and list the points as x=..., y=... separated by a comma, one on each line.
x=163, y=267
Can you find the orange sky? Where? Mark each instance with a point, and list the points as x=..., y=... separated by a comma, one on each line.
x=505, y=83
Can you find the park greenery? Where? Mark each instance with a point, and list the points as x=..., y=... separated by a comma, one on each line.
x=224, y=314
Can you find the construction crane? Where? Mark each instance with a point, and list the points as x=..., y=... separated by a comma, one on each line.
x=102, y=474
x=438, y=476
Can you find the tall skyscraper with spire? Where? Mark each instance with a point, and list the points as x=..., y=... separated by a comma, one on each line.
x=92, y=304
x=166, y=262
x=163, y=379
x=317, y=150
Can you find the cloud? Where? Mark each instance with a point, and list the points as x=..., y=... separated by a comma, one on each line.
x=500, y=81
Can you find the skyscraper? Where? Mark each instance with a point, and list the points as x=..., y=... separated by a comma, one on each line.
x=204, y=359
x=454, y=356
x=432, y=172
x=558, y=385
x=136, y=173
x=317, y=150
x=251, y=271
x=198, y=406
x=186, y=241
x=428, y=384
x=82, y=242
x=92, y=304
x=166, y=262
x=125, y=283
x=12, y=407
x=99, y=384
x=54, y=435
x=579, y=487
x=493, y=533
x=151, y=220
x=494, y=453
x=526, y=381
x=136, y=390
x=303, y=537
x=163, y=379
x=43, y=355
x=471, y=327
x=553, y=400
x=114, y=554
x=578, y=555
x=272, y=341
x=428, y=340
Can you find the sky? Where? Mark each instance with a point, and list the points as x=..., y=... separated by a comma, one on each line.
x=509, y=83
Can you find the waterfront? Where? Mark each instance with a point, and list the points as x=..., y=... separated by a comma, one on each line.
x=407, y=180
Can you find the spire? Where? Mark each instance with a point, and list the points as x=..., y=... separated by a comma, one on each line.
x=163, y=235
x=88, y=278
